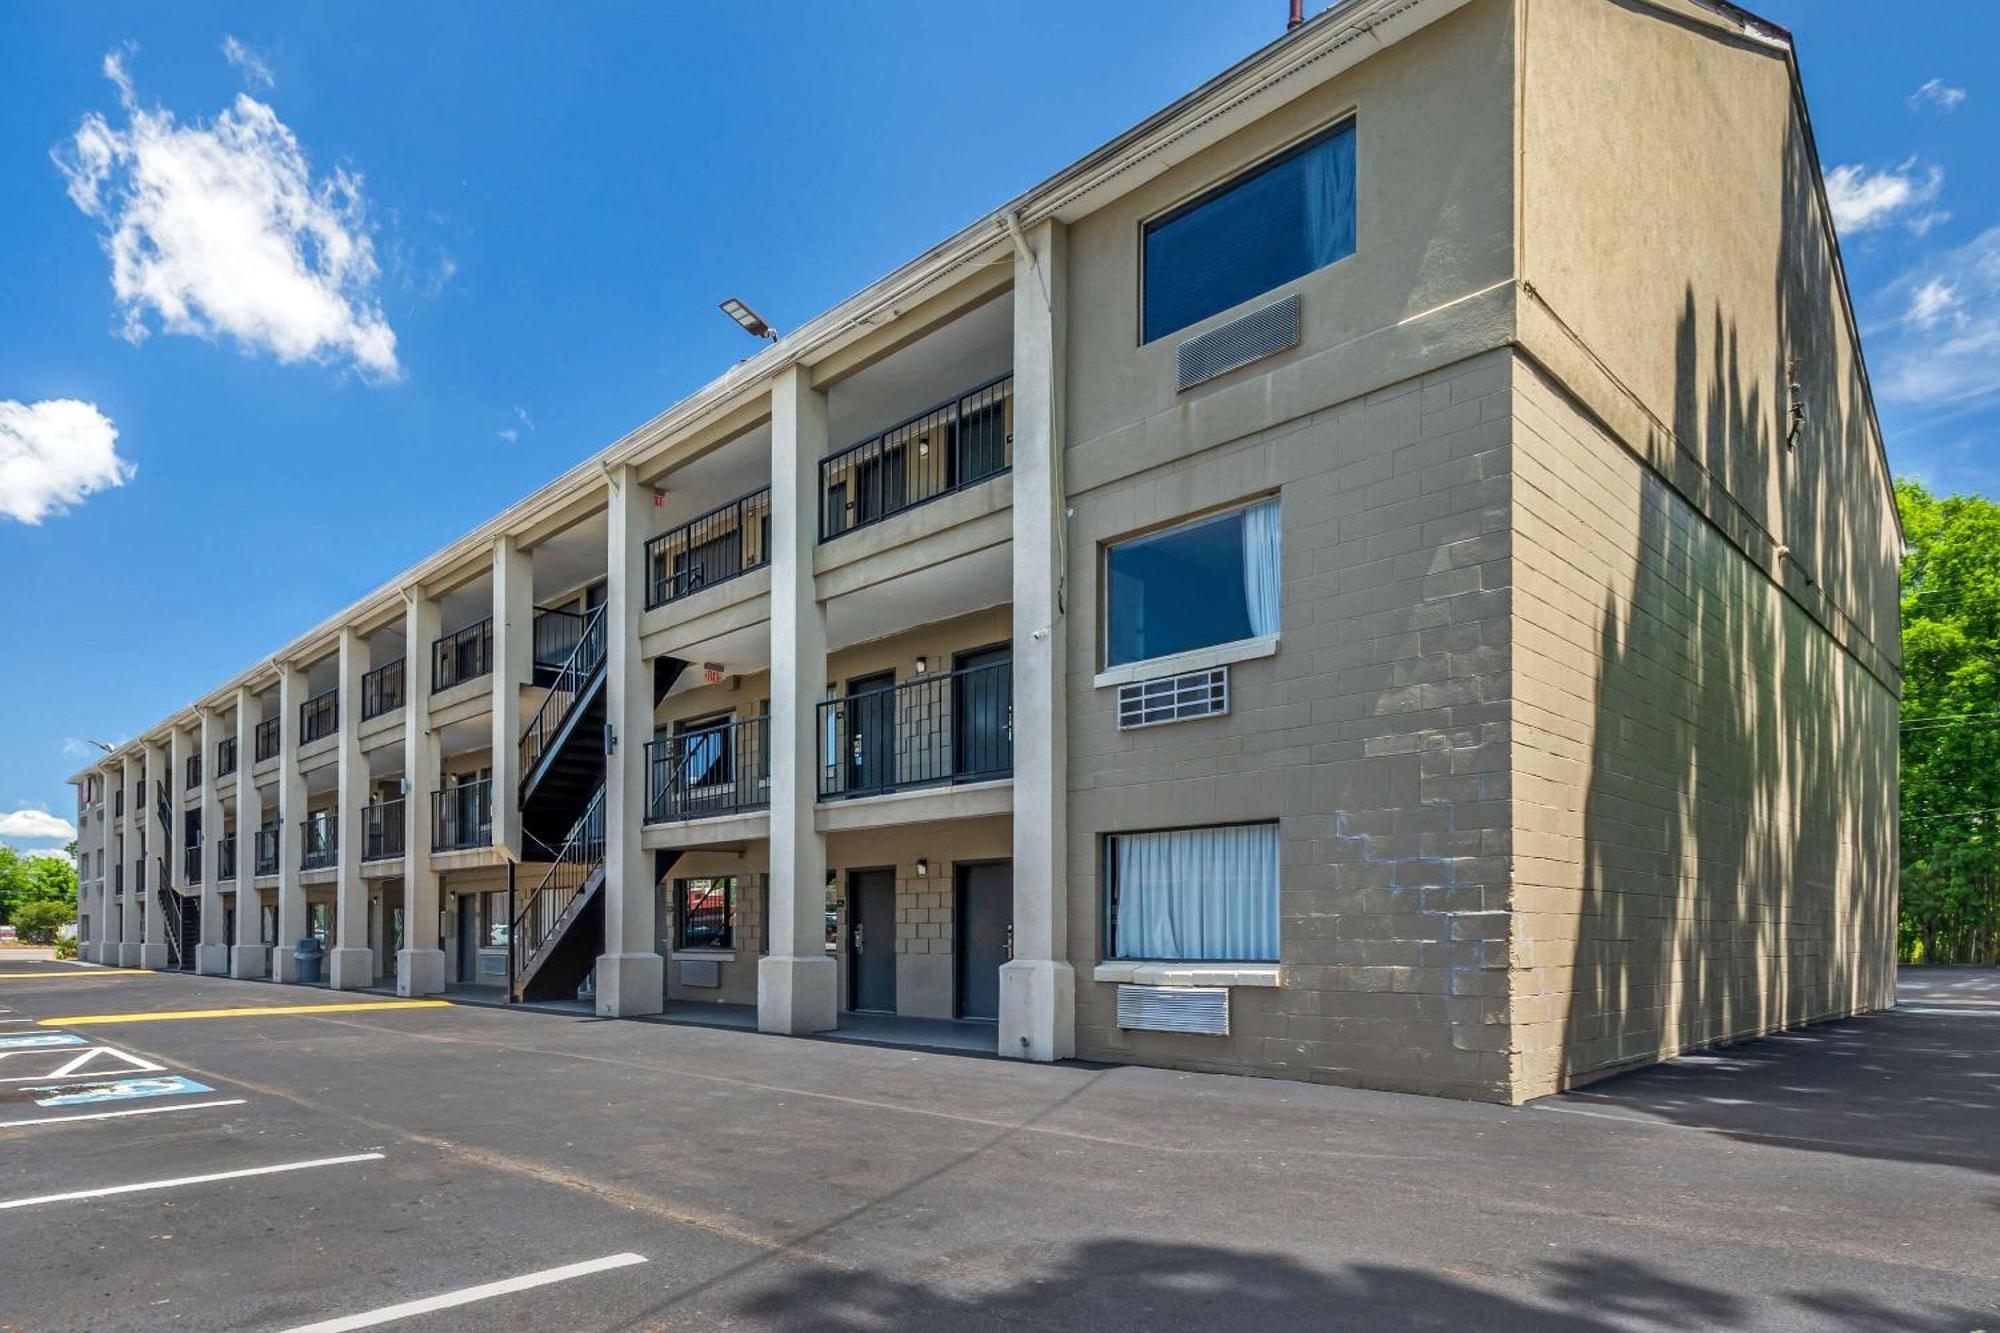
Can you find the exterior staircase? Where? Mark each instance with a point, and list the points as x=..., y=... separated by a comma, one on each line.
x=559, y=932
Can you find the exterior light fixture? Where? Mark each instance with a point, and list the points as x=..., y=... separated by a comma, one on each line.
x=923, y=866
x=923, y=665
x=751, y=322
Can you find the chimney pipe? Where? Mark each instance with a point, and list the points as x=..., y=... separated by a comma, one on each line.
x=1298, y=15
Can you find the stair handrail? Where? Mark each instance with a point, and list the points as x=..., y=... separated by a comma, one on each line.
x=583, y=663
x=168, y=903
x=581, y=854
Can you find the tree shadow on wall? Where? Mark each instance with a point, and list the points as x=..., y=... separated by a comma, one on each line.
x=1739, y=855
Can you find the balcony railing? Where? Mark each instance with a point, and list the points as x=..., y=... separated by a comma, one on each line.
x=717, y=770
x=556, y=633
x=225, y=756
x=191, y=862
x=268, y=738
x=225, y=857
x=267, y=848
x=193, y=768
x=139, y=873
x=462, y=816
x=319, y=716
x=382, y=690
x=955, y=726
x=462, y=655
x=940, y=450
x=730, y=540
x=118, y=804
x=382, y=830
x=319, y=839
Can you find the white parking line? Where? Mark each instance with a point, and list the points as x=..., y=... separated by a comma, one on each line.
x=189, y=1180
x=468, y=1295
x=114, y=1115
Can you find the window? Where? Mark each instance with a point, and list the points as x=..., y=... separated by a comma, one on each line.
x=493, y=910
x=705, y=913
x=705, y=748
x=1280, y=221
x=1215, y=580
x=1193, y=895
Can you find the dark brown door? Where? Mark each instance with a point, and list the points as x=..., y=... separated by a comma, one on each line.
x=871, y=940
x=983, y=919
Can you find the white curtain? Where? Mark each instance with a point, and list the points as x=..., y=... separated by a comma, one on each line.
x=1262, y=566
x=1198, y=894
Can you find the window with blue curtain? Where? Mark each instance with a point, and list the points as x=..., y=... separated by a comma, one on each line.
x=1194, y=895
x=1286, y=218
x=1211, y=581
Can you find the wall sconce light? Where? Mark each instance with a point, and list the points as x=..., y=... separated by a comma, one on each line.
x=923, y=665
x=923, y=866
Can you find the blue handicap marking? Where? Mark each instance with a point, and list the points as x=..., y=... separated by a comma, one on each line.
x=122, y=1089
x=39, y=1039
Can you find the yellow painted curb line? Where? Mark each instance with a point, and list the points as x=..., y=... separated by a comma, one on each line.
x=104, y=972
x=265, y=1011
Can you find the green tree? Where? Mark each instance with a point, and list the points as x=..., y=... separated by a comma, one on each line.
x=38, y=922
x=1951, y=727
x=32, y=879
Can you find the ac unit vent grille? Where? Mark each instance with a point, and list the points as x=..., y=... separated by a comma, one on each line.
x=1203, y=1010
x=1273, y=328
x=1192, y=694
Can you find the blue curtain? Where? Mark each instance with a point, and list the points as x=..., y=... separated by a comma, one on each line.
x=1208, y=894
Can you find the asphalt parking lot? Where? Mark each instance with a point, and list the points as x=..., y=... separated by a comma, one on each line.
x=448, y=1167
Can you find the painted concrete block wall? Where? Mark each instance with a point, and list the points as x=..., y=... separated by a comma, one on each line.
x=1377, y=736
x=1704, y=782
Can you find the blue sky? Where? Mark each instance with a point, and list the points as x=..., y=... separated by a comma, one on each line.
x=345, y=280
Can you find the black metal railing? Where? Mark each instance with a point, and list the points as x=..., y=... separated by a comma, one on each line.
x=728, y=540
x=163, y=807
x=382, y=689
x=556, y=633
x=225, y=756
x=139, y=874
x=462, y=655
x=267, y=848
x=580, y=856
x=191, y=862
x=319, y=839
x=717, y=770
x=118, y=804
x=225, y=857
x=319, y=716
x=268, y=738
x=954, y=726
x=462, y=816
x=382, y=830
x=940, y=450
x=574, y=677
x=193, y=771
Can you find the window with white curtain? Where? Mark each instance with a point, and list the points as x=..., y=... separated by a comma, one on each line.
x=1278, y=221
x=1211, y=581
x=1193, y=895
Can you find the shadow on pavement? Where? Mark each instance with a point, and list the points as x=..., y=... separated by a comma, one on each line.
x=1914, y=1084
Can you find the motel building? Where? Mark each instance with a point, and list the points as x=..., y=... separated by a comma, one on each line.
x=1382, y=574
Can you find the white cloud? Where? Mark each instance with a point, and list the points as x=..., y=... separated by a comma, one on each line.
x=78, y=749
x=222, y=229
x=1944, y=347
x=1862, y=200
x=53, y=853
x=513, y=433
x=35, y=824
x=1937, y=93
x=54, y=453
x=255, y=72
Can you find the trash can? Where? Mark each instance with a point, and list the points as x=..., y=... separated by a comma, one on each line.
x=310, y=955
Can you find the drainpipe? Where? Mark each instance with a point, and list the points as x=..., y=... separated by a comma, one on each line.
x=1298, y=15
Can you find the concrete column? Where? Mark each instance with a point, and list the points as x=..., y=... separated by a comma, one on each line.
x=351, y=966
x=212, y=954
x=1038, y=985
x=513, y=667
x=420, y=962
x=248, y=957
x=103, y=946
x=797, y=982
x=631, y=975
x=159, y=848
x=130, y=924
x=291, y=815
